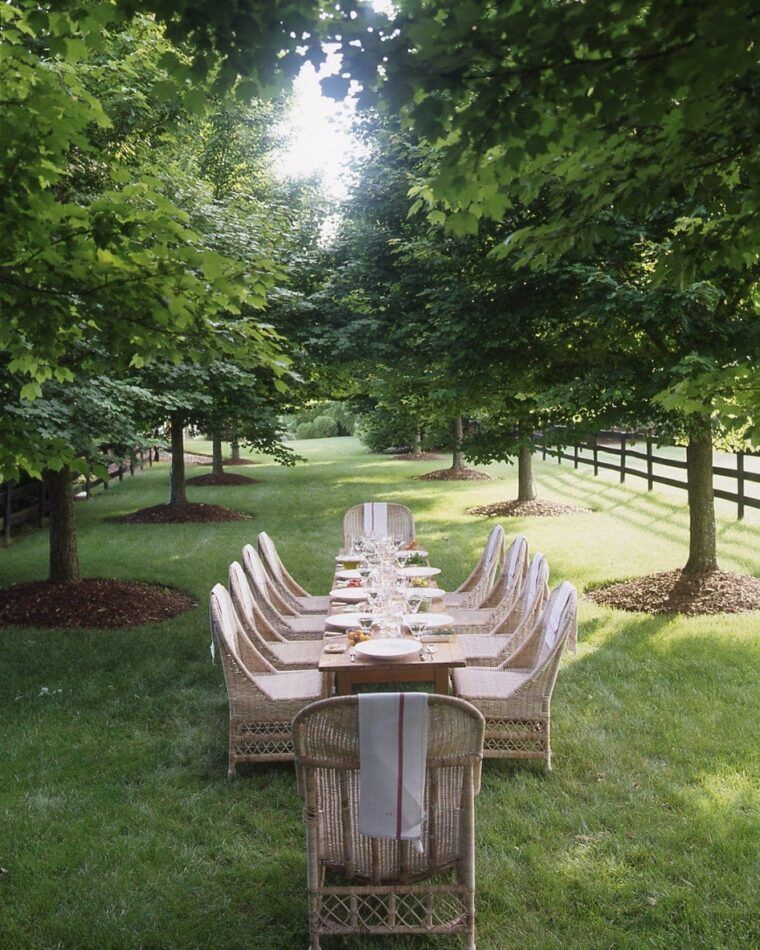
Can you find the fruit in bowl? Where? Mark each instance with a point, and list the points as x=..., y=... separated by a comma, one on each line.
x=357, y=636
x=419, y=582
x=355, y=582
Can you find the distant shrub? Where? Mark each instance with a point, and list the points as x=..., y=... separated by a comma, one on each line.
x=324, y=427
x=305, y=430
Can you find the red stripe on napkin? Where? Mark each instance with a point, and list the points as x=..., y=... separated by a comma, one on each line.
x=400, y=784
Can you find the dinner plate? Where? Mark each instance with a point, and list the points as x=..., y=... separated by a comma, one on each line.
x=343, y=621
x=348, y=575
x=430, y=620
x=351, y=558
x=417, y=551
x=420, y=571
x=351, y=595
x=428, y=593
x=387, y=649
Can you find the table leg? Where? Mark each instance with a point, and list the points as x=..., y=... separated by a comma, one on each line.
x=343, y=684
x=441, y=682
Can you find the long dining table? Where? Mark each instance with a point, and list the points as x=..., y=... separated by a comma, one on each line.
x=431, y=664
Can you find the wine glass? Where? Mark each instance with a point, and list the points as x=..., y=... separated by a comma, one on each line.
x=418, y=628
x=414, y=600
x=365, y=572
x=366, y=622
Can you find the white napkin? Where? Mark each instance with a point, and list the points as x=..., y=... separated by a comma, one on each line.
x=392, y=754
x=376, y=519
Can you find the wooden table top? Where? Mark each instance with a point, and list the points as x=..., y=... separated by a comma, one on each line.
x=446, y=654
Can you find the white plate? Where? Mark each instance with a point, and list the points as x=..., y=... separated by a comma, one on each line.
x=343, y=621
x=387, y=648
x=417, y=551
x=430, y=620
x=351, y=558
x=351, y=595
x=429, y=593
x=348, y=575
x=420, y=571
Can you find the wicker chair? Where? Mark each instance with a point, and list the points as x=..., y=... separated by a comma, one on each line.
x=503, y=596
x=281, y=653
x=288, y=626
x=400, y=523
x=510, y=633
x=262, y=701
x=476, y=590
x=515, y=698
x=294, y=596
x=384, y=885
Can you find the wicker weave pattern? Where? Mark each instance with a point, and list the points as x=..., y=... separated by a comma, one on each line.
x=380, y=896
x=292, y=594
x=478, y=586
x=290, y=627
x=400, y=523
x=502, y=599
x=515, y=698
x=260, y=711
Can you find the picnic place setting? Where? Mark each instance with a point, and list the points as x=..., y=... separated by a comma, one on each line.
x=389, y=778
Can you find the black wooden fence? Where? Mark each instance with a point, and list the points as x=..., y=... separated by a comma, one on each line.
x=602, y=456
x=28, y=502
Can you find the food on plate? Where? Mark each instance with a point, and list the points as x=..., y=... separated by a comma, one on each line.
x=419, y=582
x=357, y=636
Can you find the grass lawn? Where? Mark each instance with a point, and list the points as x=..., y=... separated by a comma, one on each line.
x=119, y=827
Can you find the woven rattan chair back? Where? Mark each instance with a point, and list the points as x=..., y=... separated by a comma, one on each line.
x=556, y=623
x=380, y=896
x=526, y=606
x=494, y=544
x=400, y=523
x=286, y=584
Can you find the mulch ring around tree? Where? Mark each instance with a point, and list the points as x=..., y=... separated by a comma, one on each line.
x=417, y=457
x=455, y=475
x=230, y=462
x=190, y=458
x=226, y=478
x=527, y=509
x=181, y=514
x=93, y=602
x=673, y=592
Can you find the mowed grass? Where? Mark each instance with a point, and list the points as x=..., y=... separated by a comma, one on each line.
x=119, y=827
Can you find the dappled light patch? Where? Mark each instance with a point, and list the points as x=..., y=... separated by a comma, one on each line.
x=181, y=514
x=538, y=508
x=190, y=458
x=98, y=602
x=231, y=462
x=674, y=592
x=455, y=475
x=417, y=457
x=226, y=478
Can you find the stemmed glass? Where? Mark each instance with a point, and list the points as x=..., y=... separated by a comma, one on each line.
x=414, y=600
x=366, y=622
x=418, y=627
x=365, y=572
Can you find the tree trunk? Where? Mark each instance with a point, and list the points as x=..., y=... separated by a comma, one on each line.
x=702, y=548
x=217, y=468
x=64, y=556
x=417, y=441
x=234, y=445
x=526, y=487
x=458, y=461
x=177, y=492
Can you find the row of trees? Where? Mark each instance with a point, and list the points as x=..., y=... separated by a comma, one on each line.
x=143, y=234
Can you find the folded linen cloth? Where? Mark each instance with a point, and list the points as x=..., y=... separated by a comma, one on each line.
x=376, y=519
x=392, y=754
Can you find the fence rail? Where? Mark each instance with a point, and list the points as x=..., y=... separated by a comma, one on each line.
x=572, y=453
x=26, y=503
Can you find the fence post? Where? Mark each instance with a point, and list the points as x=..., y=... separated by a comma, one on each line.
x=559, y=455
x=87, y=477
x=575, y=459
x=650, y=479
x=543, y=447
x=7, y=515
x=596, y=456
x=623, y=439
x=740, y=485
x=120, y=471
x=131, y=466
x=41, y=502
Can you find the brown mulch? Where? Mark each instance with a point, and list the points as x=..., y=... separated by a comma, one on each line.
x=537, y=508
x=93, y=602
x=455, y=475
x=226, y=478
x=673, y=592
x=180, y=514
x=417, y=457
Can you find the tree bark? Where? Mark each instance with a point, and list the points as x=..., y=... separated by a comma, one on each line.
x=64, y=554
x=526, y=486
x=458, y=461
x=702, y=547
x=217, y=468
x=234, y=445
x=177, y=491
x=417, y=441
